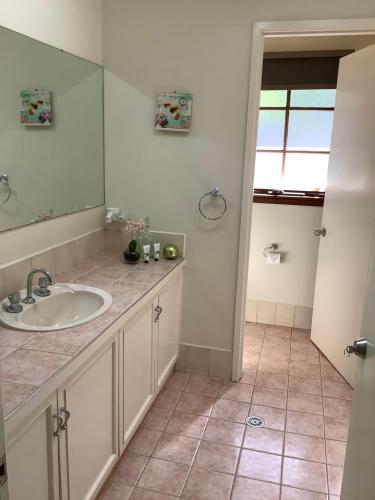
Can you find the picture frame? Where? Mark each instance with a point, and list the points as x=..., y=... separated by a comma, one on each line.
x=173, y=111
x=36, y=107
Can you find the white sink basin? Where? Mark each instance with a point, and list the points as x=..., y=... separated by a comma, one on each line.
x=68, y=305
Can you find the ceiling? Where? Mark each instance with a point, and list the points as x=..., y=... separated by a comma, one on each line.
x=311, y=43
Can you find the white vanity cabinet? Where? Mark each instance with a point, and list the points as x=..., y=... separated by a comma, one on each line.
x=67, y=447
x=88, y=441
x=148, y=350
x=63, y=444
x=32, y=456
x=167, y=331
x=136, y=371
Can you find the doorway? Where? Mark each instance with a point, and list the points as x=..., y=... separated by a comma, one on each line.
x=268, y=344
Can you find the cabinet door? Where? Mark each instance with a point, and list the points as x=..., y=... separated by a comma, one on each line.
x=169, y=328
x=90, y=438
x=32, y=457
x=136, y=363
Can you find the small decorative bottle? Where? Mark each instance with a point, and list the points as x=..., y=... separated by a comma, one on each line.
x=146, y=237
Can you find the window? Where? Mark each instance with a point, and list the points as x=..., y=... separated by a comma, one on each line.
x=294, y=137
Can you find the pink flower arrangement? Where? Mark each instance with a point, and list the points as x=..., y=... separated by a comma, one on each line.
x=136, y=227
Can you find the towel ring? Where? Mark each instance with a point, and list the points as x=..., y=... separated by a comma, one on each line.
x=215, y=193
x=4, y=179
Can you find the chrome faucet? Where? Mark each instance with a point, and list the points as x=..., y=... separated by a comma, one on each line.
x=29, y=299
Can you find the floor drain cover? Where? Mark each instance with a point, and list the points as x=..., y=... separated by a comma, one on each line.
x=255, y=421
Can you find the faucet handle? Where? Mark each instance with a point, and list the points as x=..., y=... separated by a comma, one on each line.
x=14, y=297
x=14, y=303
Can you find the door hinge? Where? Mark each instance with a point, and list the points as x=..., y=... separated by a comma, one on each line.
x=3, y=470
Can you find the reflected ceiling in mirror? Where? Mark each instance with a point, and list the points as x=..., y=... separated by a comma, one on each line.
x=52, y=164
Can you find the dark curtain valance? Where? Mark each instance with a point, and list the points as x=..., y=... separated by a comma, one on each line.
x=301, y=70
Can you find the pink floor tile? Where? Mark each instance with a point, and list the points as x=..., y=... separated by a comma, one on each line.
x=336, y=429
x=203, y=385
x=203, y=484
x=272, y=380
x=269, y=397
x=305, y=385
x=305, y=475
x=164, y=476
x=288, y=493
x=263, y=439
x=261, y=466
x=305, y=403
x=335, y=452
x=305, y=423
x=334, y=479
x=187, y=424
x=218, y=457
x=250, y=489
x=221, y=431
x=274, y=418
x=195, y=403
x=236, y=411
x=305, y=447
x=236, y=392
x=176, y=448
x=193, y=443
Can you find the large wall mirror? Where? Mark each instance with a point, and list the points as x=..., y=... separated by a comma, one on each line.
x=51, y=132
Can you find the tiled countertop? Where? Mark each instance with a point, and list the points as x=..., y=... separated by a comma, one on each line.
x=30, y=359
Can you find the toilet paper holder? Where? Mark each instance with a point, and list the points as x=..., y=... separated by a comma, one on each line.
x=272, y=249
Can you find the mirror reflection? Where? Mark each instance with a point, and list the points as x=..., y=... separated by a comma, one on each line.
x=51, y=132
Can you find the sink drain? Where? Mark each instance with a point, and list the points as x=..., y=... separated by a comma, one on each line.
x=255, y=421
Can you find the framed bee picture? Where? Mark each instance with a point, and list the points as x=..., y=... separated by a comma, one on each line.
x=36, y=107
x=173, y=111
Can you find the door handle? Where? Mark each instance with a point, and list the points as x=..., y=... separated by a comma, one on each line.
x=60, y=423
x=321, y=232
x=359, y=348
x=67, y=417
x=158, y=311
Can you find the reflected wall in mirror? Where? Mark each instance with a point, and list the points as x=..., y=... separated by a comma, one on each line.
x=52, y=170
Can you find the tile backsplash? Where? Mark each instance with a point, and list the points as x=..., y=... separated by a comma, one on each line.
x=63, y=258
x=57, y=260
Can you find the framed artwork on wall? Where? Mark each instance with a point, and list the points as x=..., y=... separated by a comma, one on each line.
x=36, y=107
x=173, y=111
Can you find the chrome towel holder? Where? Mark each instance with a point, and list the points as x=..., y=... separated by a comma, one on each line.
x=214, y=192
x=4, y=179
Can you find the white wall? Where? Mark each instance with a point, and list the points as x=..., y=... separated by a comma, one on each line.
x=75, y=26
x=292, y=281
x=71, y=25
x=202, y=47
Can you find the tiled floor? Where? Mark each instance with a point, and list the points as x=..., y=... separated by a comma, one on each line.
x=194, y=444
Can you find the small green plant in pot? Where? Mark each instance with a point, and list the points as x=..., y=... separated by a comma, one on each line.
x=132, y=254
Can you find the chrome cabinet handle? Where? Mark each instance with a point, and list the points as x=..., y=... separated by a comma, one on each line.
x=158, y=311
x=67, y=417
x=60, y=423
x=321, y=232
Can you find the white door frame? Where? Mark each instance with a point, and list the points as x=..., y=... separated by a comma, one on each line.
x=260, y=31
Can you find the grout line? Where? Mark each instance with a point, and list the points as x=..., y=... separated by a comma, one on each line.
x=325, y=440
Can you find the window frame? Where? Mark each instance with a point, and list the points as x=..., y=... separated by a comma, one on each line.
x=288, y=197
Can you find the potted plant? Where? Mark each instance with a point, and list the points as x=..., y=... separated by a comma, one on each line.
x=132, y=254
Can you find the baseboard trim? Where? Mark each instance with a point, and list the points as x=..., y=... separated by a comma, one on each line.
x=280, y=314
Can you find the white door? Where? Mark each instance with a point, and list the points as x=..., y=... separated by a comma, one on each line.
x=348, y=213
x=32, y=456
x=168, y=332
x=136, y=372
x=358, y=480
x=89, y=442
